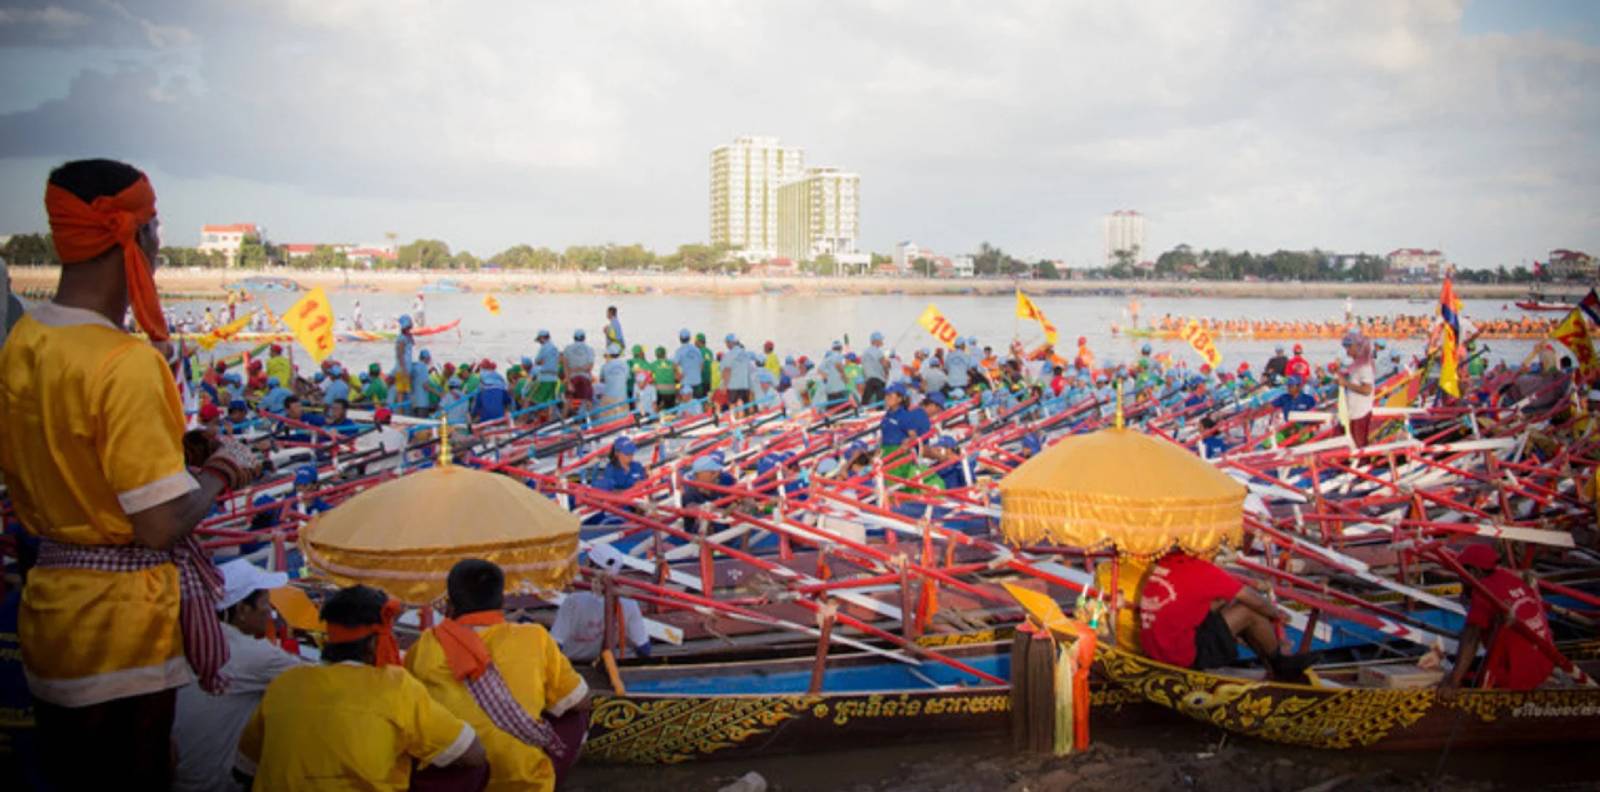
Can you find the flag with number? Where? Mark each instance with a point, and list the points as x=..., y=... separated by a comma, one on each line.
x=1202, y=343
x=938, y=326
x=311, y=321
x=1027, y=310
x=223, y=333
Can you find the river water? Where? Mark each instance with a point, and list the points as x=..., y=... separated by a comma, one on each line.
x=807, y=324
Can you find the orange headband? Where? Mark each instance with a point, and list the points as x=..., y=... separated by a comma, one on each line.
x=83, y=230
x=388, y=651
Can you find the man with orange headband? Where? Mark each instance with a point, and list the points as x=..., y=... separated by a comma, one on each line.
x=357, y=721
x=509, y=681
x=119, y=611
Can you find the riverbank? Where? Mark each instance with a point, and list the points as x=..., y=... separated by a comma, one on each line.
x=215, y=283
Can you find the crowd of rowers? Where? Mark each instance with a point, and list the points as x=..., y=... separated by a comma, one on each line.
x=1400, y=326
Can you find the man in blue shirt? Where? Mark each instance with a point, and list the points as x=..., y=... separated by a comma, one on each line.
x=421, y=404
x=621, y=471
x=689, y=362
x=547, y=370
x=276, y=396
x=956, y=365
x=338, y=386
x=577, y=363
x=493, y=396
x=736, y=368
x=900, y=422
x=875, y=369
x=834, y=384
x=614, y=378
x=614, y=328
x=1294, y=397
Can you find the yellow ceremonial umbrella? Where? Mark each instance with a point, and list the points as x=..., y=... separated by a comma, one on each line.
x=1124, y=489
x=404, y=535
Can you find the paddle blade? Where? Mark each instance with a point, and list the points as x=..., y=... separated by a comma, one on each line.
x=1044, y=610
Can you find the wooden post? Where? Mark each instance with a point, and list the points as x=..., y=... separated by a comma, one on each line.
x=1041, y=695
x=908, y=607
x=819, y=666
x=1019, y=688
x=708, y=568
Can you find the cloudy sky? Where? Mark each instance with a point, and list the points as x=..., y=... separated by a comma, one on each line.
x=1349, y=124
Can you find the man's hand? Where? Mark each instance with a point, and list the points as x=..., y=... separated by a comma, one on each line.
x=234, y=462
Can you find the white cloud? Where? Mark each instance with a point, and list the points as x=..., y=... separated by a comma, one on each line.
x=1249, y=124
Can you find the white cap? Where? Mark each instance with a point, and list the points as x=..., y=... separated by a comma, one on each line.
x=606, y=557
x=241, y=578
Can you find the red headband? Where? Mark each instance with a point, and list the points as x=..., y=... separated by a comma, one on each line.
x=388, y=651
x=84, y=230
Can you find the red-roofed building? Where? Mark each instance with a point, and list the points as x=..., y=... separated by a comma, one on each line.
x=778, y=267
x=227, y=239
x=1572, y=265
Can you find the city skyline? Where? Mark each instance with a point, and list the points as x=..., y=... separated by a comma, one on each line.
x=1430, y=124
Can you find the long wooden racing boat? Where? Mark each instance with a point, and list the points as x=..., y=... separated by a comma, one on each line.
x=1332, y=715
x=679, y=713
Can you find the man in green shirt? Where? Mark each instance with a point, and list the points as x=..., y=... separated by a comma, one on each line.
x=665, y=374
x=375, y=391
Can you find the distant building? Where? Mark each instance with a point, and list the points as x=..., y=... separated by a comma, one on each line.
x=227, y=239
x=369, y=255
x=1415, y=265
x=776, y=268
x=819, y=214
x=745, y=177
x=906, y=254
x=1124, y=231
x=295, y=250
x=1572, y=265
x=963, y=267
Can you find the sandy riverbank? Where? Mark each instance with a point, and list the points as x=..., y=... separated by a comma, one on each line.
x=213, y=283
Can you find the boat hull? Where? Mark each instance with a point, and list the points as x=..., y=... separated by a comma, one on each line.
x=1370, y=718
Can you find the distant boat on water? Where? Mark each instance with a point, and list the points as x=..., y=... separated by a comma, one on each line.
x=446, y=286
x=266, y=283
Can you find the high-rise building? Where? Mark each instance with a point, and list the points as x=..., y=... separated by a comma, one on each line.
x=1124, y=231
x=745, y=177
x=819, y=214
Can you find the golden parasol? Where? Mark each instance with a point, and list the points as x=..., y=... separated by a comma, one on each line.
x=404, y=535
x=1119, y=487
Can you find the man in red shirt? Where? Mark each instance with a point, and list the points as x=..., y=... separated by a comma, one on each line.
x=1298, y=366
x=1190, y=612
x=1513, y=661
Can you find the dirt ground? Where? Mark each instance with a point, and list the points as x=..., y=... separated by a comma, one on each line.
x=1178, y=757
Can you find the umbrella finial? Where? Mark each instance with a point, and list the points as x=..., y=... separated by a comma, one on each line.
x=1119, y=404
x=444, y=441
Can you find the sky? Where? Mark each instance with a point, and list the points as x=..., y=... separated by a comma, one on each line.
x=1348, y=125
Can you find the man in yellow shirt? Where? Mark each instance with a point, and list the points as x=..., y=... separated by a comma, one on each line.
x=119, y=608
x=358, y=721
x=503, y=679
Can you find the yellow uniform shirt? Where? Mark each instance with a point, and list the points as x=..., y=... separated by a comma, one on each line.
x=91, y=431
x=538, y=675
x=281, y=368
x=347, y=726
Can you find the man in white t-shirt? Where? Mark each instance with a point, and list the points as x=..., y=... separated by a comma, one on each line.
x=580, y=626
x=1359, y=383
x=206, y=728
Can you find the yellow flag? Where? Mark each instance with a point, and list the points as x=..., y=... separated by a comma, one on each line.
x=1027, y=310
x=492, y=304
x=1202, y=343
x=222, y=333
x=1573, y=333
x=938, y=326
x=311, y=321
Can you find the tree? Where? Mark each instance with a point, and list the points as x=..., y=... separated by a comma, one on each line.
x=254, y=253
x=424, y=254
x=526, y=257
x=1047, y=270
x=26, y=250
x=630, y=257
x=465, y=261
x=825, y=264
x=879, y=258
x=924, y=266
x=193, y=257
x=321, y=257
x=1123, y=261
